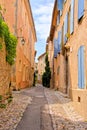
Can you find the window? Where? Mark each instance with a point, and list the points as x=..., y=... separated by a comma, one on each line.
x=72, y=17
x=65, y=28
x=81, y=72
x=58, y=18
x=59, y=40
x=80, y=9
x=55, y=48
x=60, y=5
x=62, y=41
x=69, y=13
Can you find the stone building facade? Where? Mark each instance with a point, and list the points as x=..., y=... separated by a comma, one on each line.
x=41, y=67
x=19, y=17
x=68, y=34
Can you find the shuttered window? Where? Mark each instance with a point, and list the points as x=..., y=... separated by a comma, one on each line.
x=80, y=9
x=64, y=1
x=81, y=72
x=72, y=17
x=55, y=48
x=59, y=41
x=65, y=28
x=60, y=4
x=58, y=18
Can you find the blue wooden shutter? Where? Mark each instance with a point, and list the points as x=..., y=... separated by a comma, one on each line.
x=79, y=69
x=81, y=72
x=65, y=27
x=58, y=18
x=80, y=8
x=60, y=4
x=82, y=67
x=59, y=41
x=55, y=48
x=72, y=17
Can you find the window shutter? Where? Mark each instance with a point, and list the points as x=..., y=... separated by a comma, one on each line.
x=82, y=66
x=60, y=4
x=65, y=27
x=59, y=41
x=81, y=73
x=58, y=18
x=80, y=8
x=72, y=17
x=55, y=48
x=79, y=69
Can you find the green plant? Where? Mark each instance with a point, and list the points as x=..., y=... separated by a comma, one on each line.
x=10, y=41
x=47, y=74
x=0, y=97
x=1, y=46
x=2, y=105
x=10, y=100
x=35, y=79
x=10, y=96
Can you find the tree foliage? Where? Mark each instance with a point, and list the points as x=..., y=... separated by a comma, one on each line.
x=35, y=79
x=47, y=74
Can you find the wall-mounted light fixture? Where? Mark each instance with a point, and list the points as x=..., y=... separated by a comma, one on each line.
x=22, y=40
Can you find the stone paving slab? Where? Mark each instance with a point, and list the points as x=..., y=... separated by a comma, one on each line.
x=10, y=117
x=63, y=115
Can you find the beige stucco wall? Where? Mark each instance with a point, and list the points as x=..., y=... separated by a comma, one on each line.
x=77, y=39
x=41, y=67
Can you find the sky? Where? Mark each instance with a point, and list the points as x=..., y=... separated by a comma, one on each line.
x=42, y=14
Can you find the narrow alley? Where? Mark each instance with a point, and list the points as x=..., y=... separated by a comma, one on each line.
x=41, y=109
x=36, y=116
x=43, y=65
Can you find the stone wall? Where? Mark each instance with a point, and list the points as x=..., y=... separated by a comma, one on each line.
x=4, y=71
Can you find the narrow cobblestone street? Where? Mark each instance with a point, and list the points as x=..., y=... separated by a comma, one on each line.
x=40, y=108
x=43, y=65
x=36, y=116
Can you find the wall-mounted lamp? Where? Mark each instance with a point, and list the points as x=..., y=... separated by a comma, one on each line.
x=22, y=40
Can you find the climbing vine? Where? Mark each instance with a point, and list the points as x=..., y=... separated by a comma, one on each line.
x=10, y=41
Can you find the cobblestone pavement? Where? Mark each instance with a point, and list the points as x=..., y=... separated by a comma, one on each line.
x=40, y=108
x=63, y=115
x=10, y=117
x=36, y=116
